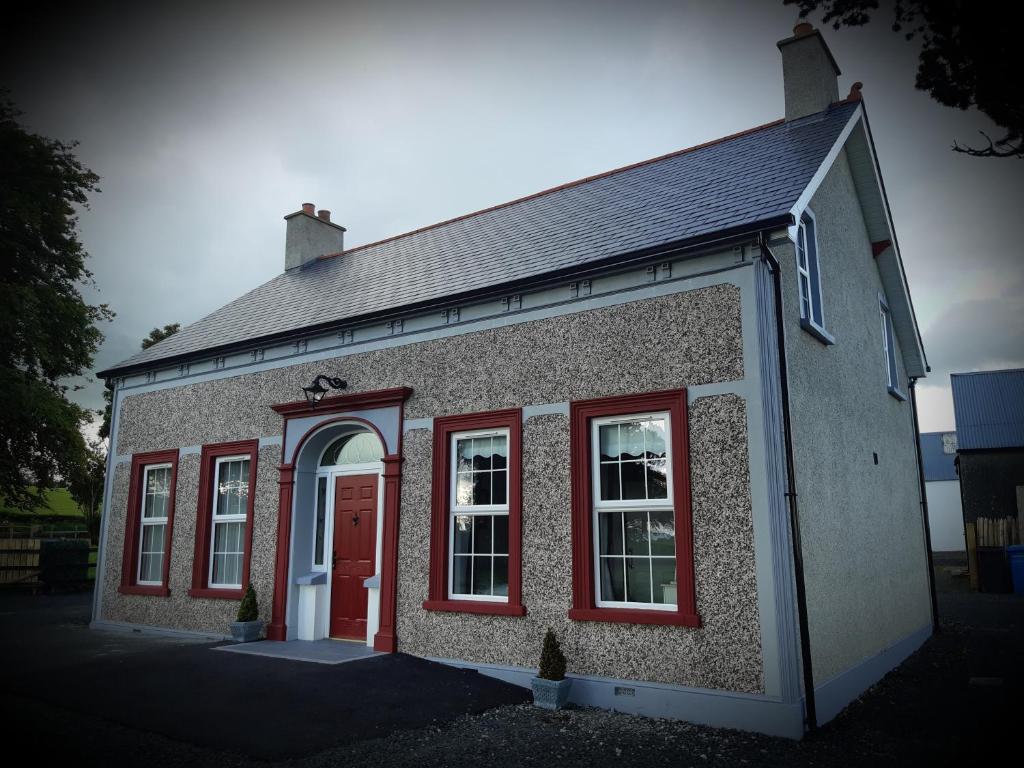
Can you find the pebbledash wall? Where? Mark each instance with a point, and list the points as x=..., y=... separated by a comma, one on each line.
x=697, y=331
x=863, y=538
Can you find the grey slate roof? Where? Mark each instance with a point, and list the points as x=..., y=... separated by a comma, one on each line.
x=989, y=409
x=938, y=465
x=735, y=182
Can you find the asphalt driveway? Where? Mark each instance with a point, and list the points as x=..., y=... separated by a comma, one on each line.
x=242, y=705
x=97, y=698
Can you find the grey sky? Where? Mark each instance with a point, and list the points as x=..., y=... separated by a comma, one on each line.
x=208, y=124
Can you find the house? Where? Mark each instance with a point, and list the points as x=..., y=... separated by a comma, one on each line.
x=989, y=411
x=663, y=410
x=942, y=484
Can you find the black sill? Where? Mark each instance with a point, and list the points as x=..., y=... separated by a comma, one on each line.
x=897, y=394
x=819, y=333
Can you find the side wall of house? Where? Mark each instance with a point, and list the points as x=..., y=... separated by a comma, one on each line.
x=688, y=338
x=863, y=538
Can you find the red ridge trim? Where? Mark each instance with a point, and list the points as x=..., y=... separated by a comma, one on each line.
x=879, y=247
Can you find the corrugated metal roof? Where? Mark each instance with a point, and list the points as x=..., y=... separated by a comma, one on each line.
x=938, y=455
x=740, y=181
x=989, y=409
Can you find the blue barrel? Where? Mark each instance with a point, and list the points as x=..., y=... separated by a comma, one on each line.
x=1016, y=554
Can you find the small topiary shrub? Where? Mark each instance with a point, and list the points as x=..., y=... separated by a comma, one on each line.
x=552, y=660
x=248, y=610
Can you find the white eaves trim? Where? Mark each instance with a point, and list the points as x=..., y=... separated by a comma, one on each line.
x=889, y=262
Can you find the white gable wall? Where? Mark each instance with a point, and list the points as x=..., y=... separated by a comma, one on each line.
x=863, y=540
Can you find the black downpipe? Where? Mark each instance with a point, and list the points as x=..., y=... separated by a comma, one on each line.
x=924, y=506
x=811, y=715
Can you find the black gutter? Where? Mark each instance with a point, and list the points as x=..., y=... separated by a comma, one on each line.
x=611, y=265
x=924, y=506
x=810, y=714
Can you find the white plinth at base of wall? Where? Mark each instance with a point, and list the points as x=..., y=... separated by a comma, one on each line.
x=307, y=612
x=719, y=709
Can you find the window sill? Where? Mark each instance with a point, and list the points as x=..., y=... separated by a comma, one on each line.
x=217, y=594
x=897, y=394
x=635, y=616
x=140, y=589
x=820, y=334
x=482, y=607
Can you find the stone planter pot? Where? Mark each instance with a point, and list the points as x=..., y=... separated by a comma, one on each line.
x=550, y=694
x=246, y=631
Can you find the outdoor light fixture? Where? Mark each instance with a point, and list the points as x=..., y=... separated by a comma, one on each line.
x=315, y=392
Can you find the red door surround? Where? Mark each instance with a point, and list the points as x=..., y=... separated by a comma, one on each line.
x=353, y=553
x=385, y=640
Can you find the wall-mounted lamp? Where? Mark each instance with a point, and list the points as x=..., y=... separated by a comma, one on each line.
x=315, y=392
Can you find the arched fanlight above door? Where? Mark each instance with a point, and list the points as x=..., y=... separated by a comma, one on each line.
x=353, y=448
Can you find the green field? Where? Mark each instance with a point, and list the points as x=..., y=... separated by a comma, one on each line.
x=55, y=503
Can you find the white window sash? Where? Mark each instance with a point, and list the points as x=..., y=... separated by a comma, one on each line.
x=628, y=505
x=809, y=288
x=148, y=522
x=217, y=519
x=888, y=347
x=885, y=344
x=474, y=510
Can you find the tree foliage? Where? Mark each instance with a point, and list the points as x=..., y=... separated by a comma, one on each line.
x=85, y=484
x=248, y=610
x=157, y=334
x=969, y=58
x=48, y=333
x=552, y=660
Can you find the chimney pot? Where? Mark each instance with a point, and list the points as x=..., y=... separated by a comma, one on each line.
x=323, y=214
x=803, y=29
x=308, y=208
x=855, y=94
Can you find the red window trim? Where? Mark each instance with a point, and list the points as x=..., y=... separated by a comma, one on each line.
x=512, y=420
x=584, y=607
x=204, y=518
x=133, y=521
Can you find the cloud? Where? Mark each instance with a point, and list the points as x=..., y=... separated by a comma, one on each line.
x=978, y=334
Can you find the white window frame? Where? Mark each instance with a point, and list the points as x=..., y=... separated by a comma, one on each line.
x=330, y=473
x=144, y=522
x=892, y=374
x=223, y=519
x=808, y=277
x=628, y=505
x=474, y=510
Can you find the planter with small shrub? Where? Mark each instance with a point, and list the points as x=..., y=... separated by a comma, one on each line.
x=248, y=627
x=551, y=687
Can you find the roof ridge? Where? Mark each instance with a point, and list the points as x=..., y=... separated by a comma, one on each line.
x=566, y=185
x=997, y=370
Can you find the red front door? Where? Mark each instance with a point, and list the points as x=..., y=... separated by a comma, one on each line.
x=355, y=545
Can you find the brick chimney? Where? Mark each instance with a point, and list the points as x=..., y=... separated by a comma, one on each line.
x=809, y=73
x=310, y=235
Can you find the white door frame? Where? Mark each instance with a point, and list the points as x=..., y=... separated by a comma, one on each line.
x=373, y=595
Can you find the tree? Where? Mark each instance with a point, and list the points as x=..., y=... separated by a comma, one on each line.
x=157, y=334
x=48, y=333
x=86, y=484
x=969, y=58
